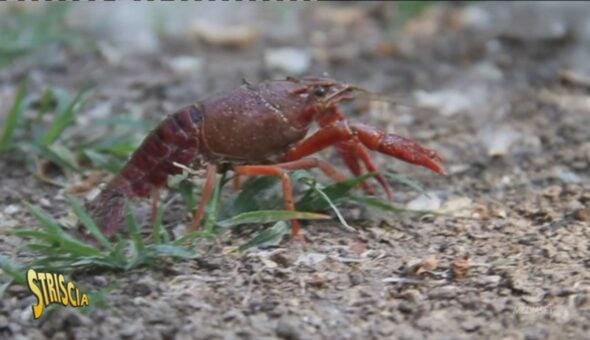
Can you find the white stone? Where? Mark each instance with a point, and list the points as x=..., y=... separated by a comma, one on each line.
x=290, y=60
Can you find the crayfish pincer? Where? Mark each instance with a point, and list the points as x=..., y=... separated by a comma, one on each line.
x=255, y=130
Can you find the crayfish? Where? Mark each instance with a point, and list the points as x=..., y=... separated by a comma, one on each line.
x=255, y=130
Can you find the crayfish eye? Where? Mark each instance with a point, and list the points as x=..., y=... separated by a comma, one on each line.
x=320, y=92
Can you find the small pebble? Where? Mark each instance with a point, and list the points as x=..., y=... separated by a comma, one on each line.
x=184, y=66
x=444, y=292
x=423, y=202
x=355, y=278
x=310, y=259
x=11, y=209
x=583, y=215
x=287, y=330
x=289, y=60
x=44, y=202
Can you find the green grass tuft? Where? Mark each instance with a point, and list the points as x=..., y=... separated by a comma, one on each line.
x=52, y=134
x=26, y=31
x=58, y=249
x=14, y=116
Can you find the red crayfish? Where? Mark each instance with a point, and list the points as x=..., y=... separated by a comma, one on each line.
x=255, y=130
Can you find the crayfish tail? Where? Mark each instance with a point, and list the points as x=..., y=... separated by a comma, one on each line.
x=107, y=209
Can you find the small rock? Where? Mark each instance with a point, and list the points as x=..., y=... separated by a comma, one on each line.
x=236, y=36
x=209, y=263
x=471, y=324
x=412, y=266
x=318, y=280
x=458, y=206
x=430, y=263
x=444, y=292
x=11, y=209
x=132, y=329
x=3, y=321
x=527, y=22
x=567, y=176
x=447, y=102
x=412, y=295
x=561, y=314
x=44, y=202
x=184, y=66
x=401, y=280
x=577, y=77
x=499, y=139
x=535, y=296
x=552, y=191
x=582, y=215
x=461, y=266
x=310, y=259
x=287, y=330
x=518, y=281
x=358, y=247
x=231, y=315
x=110, y=53
x=423, y=202
x=477, y=17
x=490, y=280
x=268, y=263
x=342, y=16
x=59, y=336
x=355, y=278
x=289, y=60
x=78, y=319
x=281, y=259
x=416, y=267
x=455, y=169
x=406, y=308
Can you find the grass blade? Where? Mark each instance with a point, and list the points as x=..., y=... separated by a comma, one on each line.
x=384, y=205
x=267, y=216
x=47, y=221
x=186, y=191
x=66, y=241
x=133, y=226
x=333, y=206
x=270, y=236
x=3, y=288
x=407, y=181
x=48, y=153
x=16, y=273
x=102, y=161
x=213, y=207
x=36, y=126
x=39, y=247
x=157, y=228
x=313, y=201
x=63, y=119
x=25, y=31
x=120, y=146
x=35, y=234
x=13, y=117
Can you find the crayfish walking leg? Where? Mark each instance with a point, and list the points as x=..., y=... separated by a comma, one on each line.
x=280, y=170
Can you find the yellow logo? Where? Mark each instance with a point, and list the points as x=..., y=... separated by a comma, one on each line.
x=52, y=288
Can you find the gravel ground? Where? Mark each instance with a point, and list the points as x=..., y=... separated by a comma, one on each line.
x=501, y=91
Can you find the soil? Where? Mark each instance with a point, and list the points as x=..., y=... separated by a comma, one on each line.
x=501, y=91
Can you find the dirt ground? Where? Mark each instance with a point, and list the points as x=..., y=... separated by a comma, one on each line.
x=502, y=91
